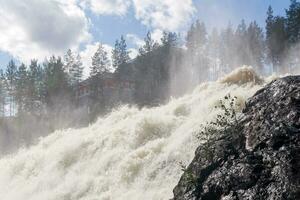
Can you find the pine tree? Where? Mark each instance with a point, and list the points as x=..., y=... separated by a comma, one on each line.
x=33, y=80
x=256, y=45
x=73, y=67
x=100, y=62
x=227, y=49
x=120, y=58
x=293, y=22
x=22, y=89
x=240, y=46
x=56, y=82
x=124, y=53
x=69, y=66
x=35, y=89
x=191, y=51
x=169, y=39
x=120, y=55
x=190, y=39
x=58, y=93
x=41, y=86
x=2, y=94
x=213, y=52
x=69, y=61
x=78, y=70
x=149, y=45
x=201, y=36
x=293, y=33
x=269, y=23
x=276, y=41
x=100, y=66
x=270, y=35
x=199, y=50
x=116, y=55
x=10, y=74
x=196, y=44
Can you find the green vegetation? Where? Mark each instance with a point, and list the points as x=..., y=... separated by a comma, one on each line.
x=47, y=90
x=224, y=122
x=225, y=125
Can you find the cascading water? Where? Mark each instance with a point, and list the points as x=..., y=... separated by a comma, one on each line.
x=130, y=154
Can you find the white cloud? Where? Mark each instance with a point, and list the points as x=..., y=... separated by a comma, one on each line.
x=134, y=39
x=107, y=7
x=133, y=53
x=87, y=54
x=167, y=15
x=157, y=35
x=138, y=42
x=39, y=28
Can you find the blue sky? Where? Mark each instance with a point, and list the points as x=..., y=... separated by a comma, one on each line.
x=39, y=28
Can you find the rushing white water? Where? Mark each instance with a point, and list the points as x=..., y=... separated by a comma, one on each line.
x=130, y=154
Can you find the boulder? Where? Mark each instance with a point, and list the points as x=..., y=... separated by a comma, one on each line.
x=262, y=161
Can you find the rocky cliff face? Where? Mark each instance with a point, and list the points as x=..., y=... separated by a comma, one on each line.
x=262, y=162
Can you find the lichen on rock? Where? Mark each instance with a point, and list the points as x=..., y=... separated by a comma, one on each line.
x=262, y=161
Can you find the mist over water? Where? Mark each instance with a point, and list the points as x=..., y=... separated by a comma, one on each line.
x=129, y=154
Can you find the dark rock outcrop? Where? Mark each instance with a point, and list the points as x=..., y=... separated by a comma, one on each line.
x=260, y=163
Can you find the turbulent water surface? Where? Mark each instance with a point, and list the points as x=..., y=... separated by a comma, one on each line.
x=130, y=154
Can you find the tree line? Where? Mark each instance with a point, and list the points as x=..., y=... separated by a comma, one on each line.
x=46, y=91
x=246, y=44
x=38, y=88
x=40, y=98
x=172, y=70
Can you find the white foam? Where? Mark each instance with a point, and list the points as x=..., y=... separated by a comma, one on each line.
x=130, y=154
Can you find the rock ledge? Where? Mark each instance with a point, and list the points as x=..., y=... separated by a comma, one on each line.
x=263, y=162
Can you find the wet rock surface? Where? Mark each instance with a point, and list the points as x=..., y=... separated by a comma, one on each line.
x=262, y=162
